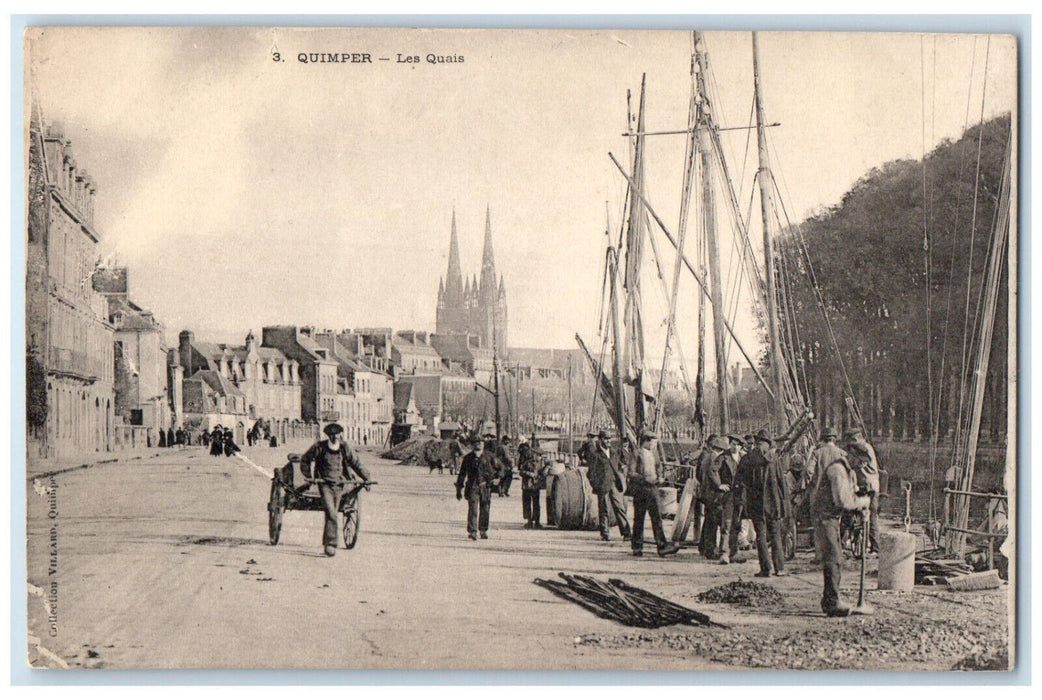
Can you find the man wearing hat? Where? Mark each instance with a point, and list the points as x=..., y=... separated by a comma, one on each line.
x=533, y=477
x=732, y=500
x=607, y=482
x=644, y=478
x=863, y=460
x=767, y=502
x=709, y=496
x=333, y=461
x=477, y=477
x=833, y=495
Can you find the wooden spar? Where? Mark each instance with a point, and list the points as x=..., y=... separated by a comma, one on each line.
x=607, y=390
x=764, y=177
x=633, y=318
x=712, y=247
x=495, y=376
x=685, y=202
x=688, y=131
x=617, y=342
x=961, y=506
x=570, y=436
x=701, y=282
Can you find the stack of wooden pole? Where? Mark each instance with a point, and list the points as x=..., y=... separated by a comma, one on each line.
x=617, y=600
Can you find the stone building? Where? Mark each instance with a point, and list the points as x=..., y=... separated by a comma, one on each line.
x=365, y=396
x=317, y=370
x=211, y=400
x=476, y=306
x=268, y=379
x=464, y=353
x=69, y=341
x=412, y=353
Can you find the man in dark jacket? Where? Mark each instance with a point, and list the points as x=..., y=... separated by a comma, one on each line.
x=606, y=480
x=333, y=463
x=766, y=501
x=477, y=477
x=732, y=500
x=505, y=465
x=710, y=495
x=533, y=476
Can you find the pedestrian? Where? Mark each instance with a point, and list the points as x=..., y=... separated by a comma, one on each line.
x=217, y=441
x=532, y=468
x=162, y=438
x=710, y=495
x=230, y=447
x=334, y=462
x=732, y=498
x=863, y=460
x=477, y=477
x=795, y=479
x=833, y=495
x=643, y=479
x=767, y=501
x=504, y=465
x=823, y=455
x=170, y=437
x=607, y=481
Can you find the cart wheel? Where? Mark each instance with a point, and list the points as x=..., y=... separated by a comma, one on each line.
x=276, y=507
x=352, y=519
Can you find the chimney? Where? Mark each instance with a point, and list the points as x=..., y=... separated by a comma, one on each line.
x=185, y=340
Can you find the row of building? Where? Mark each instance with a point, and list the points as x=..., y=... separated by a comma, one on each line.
x=100, y=375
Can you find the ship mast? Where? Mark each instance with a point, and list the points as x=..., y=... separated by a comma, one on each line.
x=705, y=146
x=764, y=177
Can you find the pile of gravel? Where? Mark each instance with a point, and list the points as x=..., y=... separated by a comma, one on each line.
x=410, y=451
x=850, y=643
x=747, y=593
x=986, y=661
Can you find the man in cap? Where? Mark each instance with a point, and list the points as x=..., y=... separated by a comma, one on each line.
x=333, y=463
x=732, y=499
x=709, y=496
x=504, y=459
x=606, y=479
x=833, y=495
x=863, y=460
x=533, y=477
x=767, y=502
x=644, y=478
x=477, y=477
x=705, y=526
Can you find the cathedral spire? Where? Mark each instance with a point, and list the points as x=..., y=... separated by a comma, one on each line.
x=454, y=276
x=488, y=260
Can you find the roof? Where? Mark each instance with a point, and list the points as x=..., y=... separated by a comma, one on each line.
x=403, y=392
x=426, y=388
x=400, y=343
x=134, y=317
x=214, y=352
x=216, y=382
x=453, y=347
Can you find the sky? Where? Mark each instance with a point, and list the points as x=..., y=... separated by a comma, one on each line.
x=242, y=191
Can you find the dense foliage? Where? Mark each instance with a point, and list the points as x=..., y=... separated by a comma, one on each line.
x=869, y=257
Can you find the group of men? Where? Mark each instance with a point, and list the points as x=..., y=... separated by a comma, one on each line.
x=737, y=481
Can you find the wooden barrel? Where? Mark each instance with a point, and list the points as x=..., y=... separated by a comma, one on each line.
x=571, y=502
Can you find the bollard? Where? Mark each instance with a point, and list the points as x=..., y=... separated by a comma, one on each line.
x=896, y=561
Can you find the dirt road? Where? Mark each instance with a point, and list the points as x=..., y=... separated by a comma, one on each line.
x=165, y=563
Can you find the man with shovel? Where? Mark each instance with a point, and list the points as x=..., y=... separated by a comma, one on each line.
x=834, y=494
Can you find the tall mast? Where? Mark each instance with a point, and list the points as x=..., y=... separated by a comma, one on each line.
x=570, y=447
x=634, y=312
x=764, y=177
x=705, y=143
x=690, y=163
x=495, y=376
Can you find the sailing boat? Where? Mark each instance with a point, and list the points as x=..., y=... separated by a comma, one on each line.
x=704, y=159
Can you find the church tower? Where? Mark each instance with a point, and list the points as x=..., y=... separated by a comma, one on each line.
x=475, y=306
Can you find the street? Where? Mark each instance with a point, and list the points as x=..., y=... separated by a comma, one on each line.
x=164, y=562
